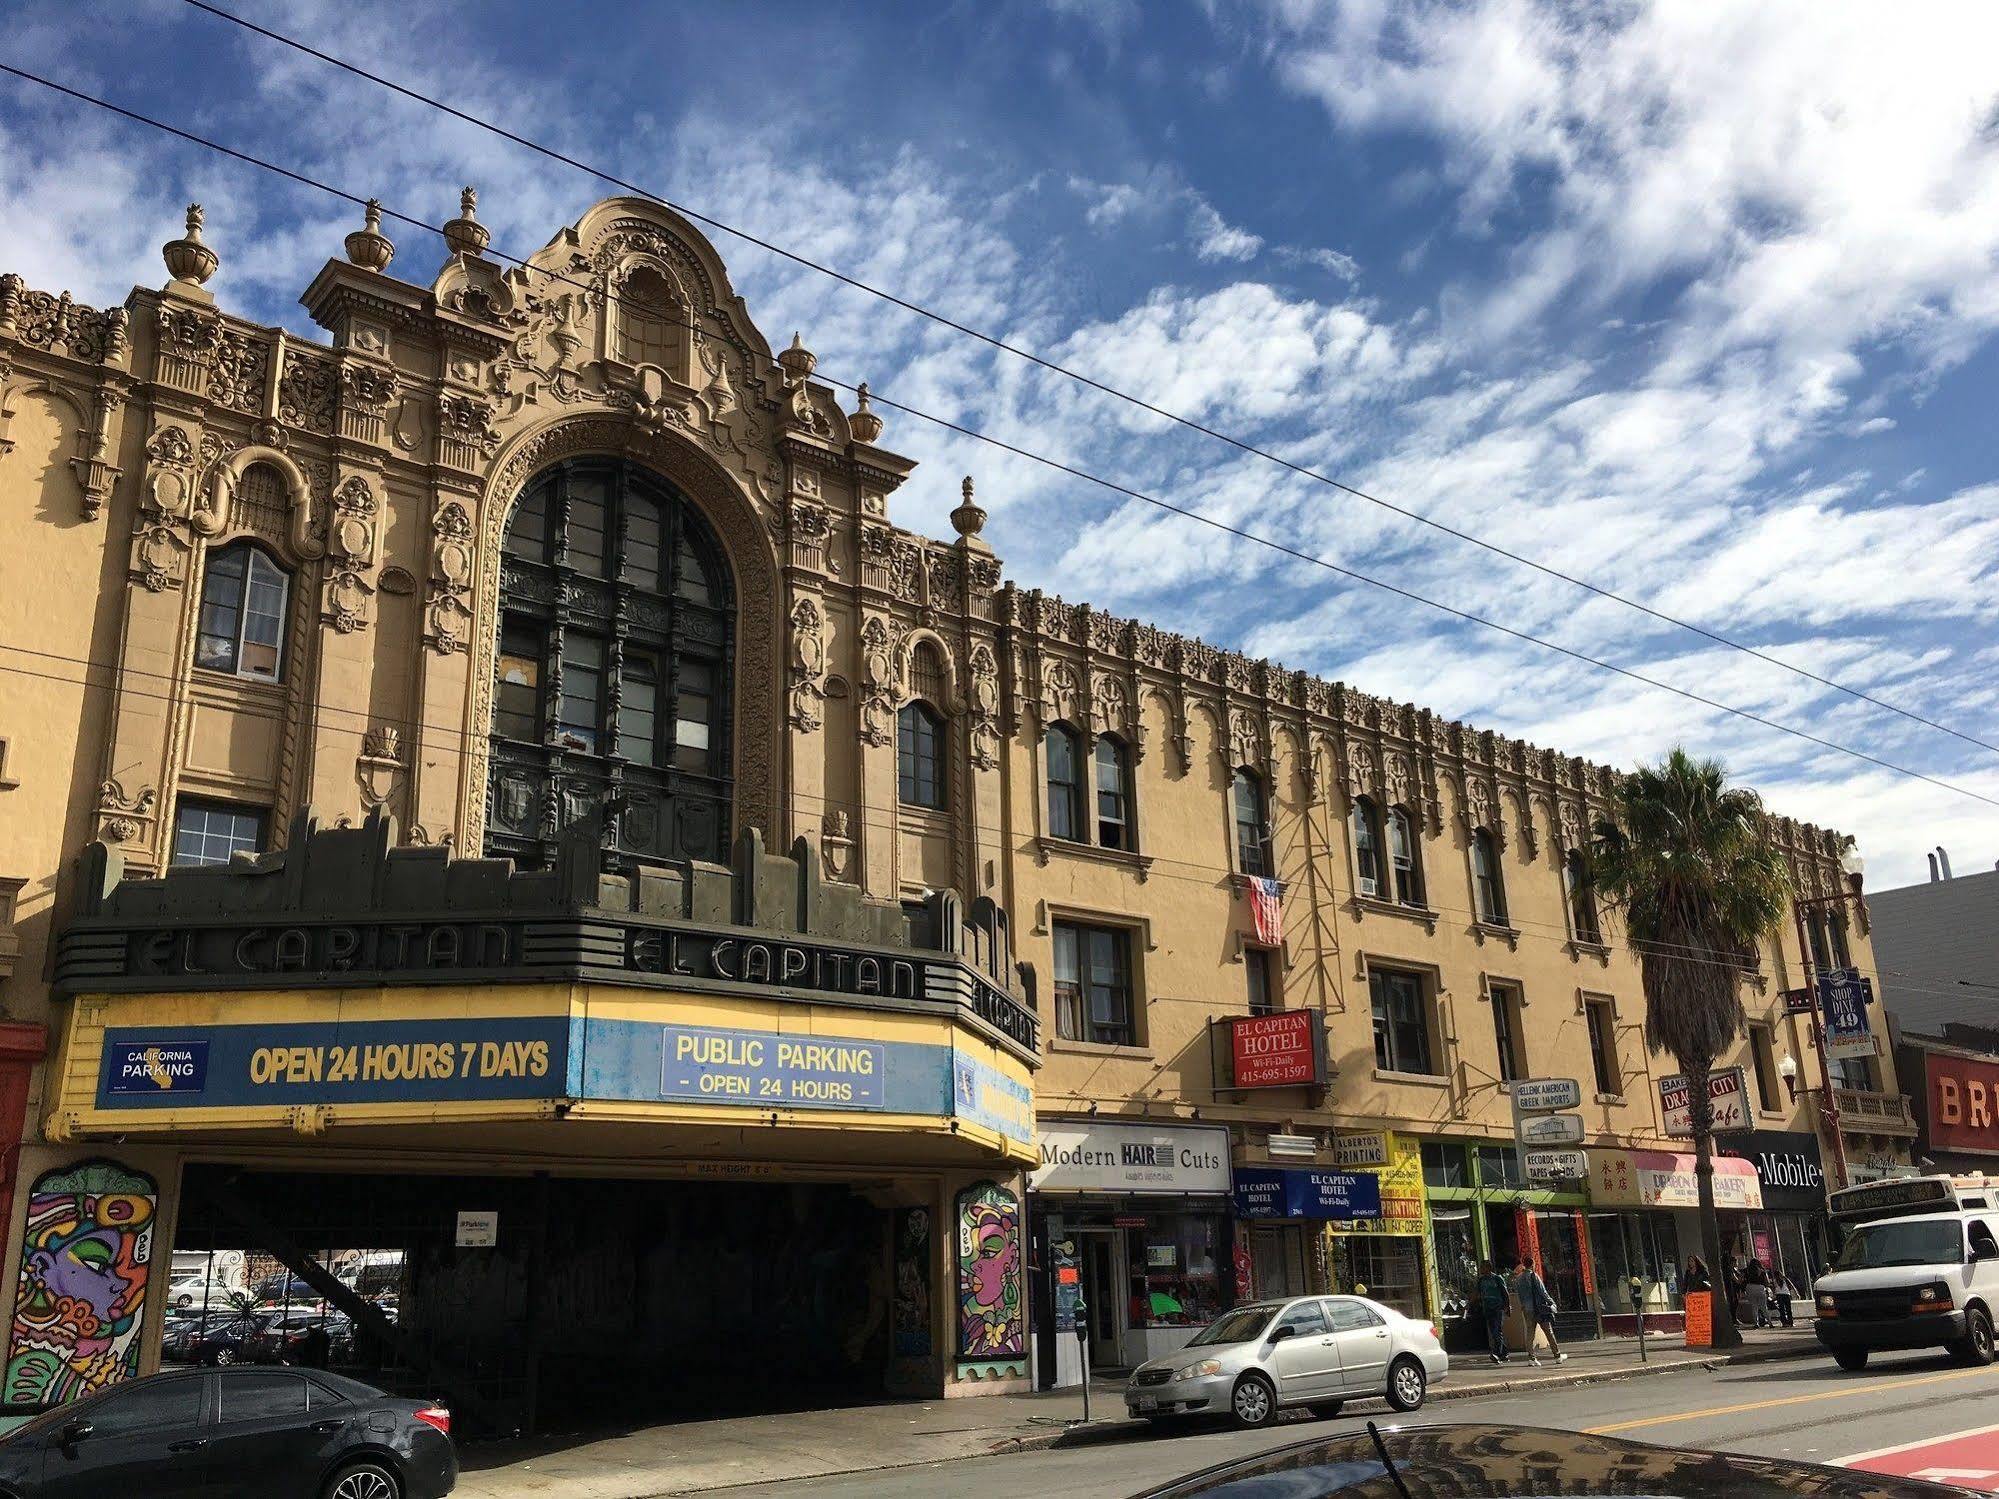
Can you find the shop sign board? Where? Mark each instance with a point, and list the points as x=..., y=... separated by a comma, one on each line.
x=1844, y=994
x=1361, y=1150
x=1549, y=1129
x=713, y=1065
x=1665, y=1179
x=1787, y=1164
x=1554, y=1165
x=1728, y=1094
x=1963, y=1103
x=1275, y=1192
x=1545, y=1095
x=1276, y=1051
x=477, y=1229
x=1140, y=1159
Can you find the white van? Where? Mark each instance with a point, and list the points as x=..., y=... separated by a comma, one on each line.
x=1917, y=1266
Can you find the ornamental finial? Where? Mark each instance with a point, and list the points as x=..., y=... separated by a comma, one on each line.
x=968, y=518
x=188, y=259
x=465, y=234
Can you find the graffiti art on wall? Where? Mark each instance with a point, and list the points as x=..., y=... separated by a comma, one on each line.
x=85, y=1256
x=992, y=1311
x=912, y=1282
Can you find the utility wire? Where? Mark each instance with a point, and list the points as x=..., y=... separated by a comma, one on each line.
x=1066, y=372
x=1057, y=465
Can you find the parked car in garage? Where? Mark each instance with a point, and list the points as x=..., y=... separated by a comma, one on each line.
x=1316, y=1351
x=247, y=1433
x=212, y=1340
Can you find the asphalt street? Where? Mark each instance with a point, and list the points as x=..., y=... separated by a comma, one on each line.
x=1807, y=1409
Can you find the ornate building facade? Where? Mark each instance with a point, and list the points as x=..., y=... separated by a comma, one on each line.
x=399, y=735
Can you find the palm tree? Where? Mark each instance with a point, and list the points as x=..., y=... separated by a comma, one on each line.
x=1685, y=860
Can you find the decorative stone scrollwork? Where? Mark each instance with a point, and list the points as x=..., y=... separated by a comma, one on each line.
x=447, y=617
x=1245, y=743
x=808, y=666
x=836, y=846
x=1574, y=825
x=308, y=392
x=60, y=325
x=465, y=435
x=880, y=686
x=239, y=372
x=123, y=817
x=1479, y=808
x=347, y=595
x=366, y=396
x=1110, y=707
x=983, y=704
x=1061, y=693
x=351, y=537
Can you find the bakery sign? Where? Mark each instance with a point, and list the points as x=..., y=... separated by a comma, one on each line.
x=1963, y=1100
x=1281, y=1050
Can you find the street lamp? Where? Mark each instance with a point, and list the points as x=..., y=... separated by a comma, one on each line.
x=1787, y=1069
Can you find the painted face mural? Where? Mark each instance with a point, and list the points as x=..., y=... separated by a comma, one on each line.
x=85, y=1256
x=991, y=1311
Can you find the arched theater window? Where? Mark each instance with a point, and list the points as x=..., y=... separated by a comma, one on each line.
x=611, y=704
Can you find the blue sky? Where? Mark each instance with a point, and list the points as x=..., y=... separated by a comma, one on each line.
x=1698, y=302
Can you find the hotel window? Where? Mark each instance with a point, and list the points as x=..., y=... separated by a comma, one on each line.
x=1367, y=847
x=1583, y=923
x=1405, y=856
x=1401, y=1021
x=1115, y=828
x=1263, y=989
x=1063, y=748
x=212, y=833
x=1093, y=1000
x=919, y=756
x=1252, y=823
x=1762, y=1052
x=1506, y=1031
x=1485, y=877
x=646, y=320
x=242, y=613
x=1603, y=1046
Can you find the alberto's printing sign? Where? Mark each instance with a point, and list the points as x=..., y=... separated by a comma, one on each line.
x=1361, y=1150
x=1728, y=1091
x=1131, y=1158
x=777, y=1071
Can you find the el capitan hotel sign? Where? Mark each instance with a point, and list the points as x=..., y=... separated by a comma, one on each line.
x=1284, y=1049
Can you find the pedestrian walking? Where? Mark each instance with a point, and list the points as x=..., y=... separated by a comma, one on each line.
x=1755, y=1294
x=1537, y=1305
x=1491, y=1295
x=1785, y=1293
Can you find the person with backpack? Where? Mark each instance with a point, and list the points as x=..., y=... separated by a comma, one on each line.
x=1491, y=1295
x=1538, y=1307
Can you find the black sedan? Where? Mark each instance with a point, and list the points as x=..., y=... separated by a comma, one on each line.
x=248, y=1433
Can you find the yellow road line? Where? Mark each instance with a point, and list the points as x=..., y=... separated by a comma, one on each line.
x=1763, y=1405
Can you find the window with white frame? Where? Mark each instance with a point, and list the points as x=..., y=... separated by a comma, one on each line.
x=1405, y=857
x=1062, y=748
x=1401, y=1021
x=1507, y=1031
x=242, y=628
x=214, y=832
x=1252, y=822
x=1486, y=881
x=1116, y=827
x=1093, y=984
x=1366, y=821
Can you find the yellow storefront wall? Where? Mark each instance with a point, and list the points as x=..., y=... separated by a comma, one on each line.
x=1405, y=1215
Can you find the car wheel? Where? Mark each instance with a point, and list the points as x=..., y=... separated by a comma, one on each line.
x=1975, y=1347
x=1851, y=1358
x=1254, y=1402
x=1407, y=1384
x=363, y=1481
x=224, y=1357
x=1325, y=1410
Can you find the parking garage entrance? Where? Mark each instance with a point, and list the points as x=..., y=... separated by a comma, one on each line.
x=542, y=1303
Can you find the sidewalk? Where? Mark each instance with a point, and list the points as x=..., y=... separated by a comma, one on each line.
x=701, y=1455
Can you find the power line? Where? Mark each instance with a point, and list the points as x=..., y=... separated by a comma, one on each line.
x=1283, y=548
x=1053, y=367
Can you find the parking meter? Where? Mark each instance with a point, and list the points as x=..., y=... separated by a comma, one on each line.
x=1636, y=1286
x=1083, y=1350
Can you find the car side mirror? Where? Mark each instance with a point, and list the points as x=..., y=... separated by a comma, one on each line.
x=1279, y=1334
x=75, y=1432
x=1985, y=1249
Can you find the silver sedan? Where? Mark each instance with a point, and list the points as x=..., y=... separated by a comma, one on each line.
x=1313, y=1351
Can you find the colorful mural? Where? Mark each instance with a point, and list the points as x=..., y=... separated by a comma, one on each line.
x=85, y=1257
x=992, y=1309
x=912, y=1282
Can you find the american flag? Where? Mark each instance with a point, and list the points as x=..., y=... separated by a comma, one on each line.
x=1266, y=909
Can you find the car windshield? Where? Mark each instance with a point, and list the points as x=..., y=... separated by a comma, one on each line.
x=1238, y=1326
x=1928, y=1242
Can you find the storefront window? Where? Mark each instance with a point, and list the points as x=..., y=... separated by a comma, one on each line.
x=1499, y=1166
x=1643, y=1244
x=1457, y=1259
x=1173, y=1266
x=1386, y=1267
x=1561, y=1258
x=1444, y=1165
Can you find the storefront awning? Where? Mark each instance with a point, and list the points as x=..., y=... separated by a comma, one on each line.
x=1665, y=1179
x=1330, y=1195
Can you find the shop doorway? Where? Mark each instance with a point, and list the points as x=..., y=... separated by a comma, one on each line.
x=1277, y=1259
x=1104, y=1295
x=548, y=1304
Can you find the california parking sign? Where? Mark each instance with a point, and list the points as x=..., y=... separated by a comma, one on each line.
x=156, y=1067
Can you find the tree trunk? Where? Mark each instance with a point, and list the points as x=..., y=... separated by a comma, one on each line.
x=1700, y=1109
